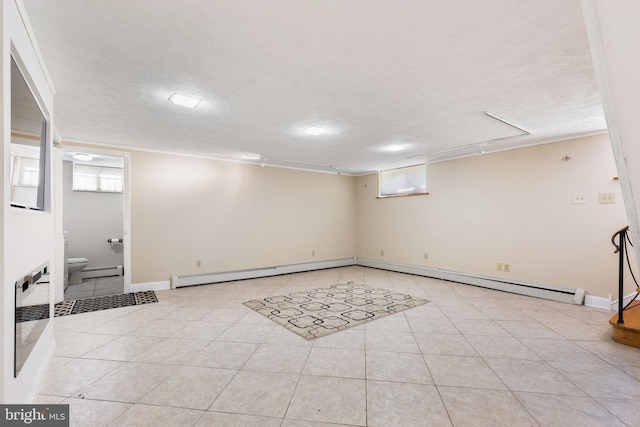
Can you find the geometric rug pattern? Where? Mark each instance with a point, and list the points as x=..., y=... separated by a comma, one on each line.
x=86, y=305
x=323, y=311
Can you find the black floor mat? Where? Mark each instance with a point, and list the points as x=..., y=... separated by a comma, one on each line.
x=87, y=305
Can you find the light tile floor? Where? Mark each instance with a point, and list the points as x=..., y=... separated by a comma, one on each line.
x=95, y=287
x=471, y=357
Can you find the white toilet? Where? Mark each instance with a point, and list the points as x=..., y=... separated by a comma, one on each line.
x=76, y=265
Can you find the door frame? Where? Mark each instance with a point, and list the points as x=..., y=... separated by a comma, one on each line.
x=126, y=214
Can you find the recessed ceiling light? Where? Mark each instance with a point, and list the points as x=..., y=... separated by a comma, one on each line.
x=394, y=147
x=83, y=157
x=315, y=130
x=184, y=100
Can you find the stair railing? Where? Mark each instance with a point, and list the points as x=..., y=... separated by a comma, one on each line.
x=623, y=250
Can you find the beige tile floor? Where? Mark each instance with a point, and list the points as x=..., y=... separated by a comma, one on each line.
x=471, y=357
x=95, y=287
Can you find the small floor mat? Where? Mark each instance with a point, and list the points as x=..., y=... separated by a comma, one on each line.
x=87, y=305
x=323, y=311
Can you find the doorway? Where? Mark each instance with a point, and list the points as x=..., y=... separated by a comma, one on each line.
x=95, y=213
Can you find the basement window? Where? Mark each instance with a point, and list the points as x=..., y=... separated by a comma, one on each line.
x=26, y=170
x=101, y=179
x=407, y=181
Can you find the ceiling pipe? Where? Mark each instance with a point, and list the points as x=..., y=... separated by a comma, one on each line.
x=500, y=119
x=305, y=165
x=480, y=146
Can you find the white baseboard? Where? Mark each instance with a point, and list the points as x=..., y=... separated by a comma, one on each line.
x=567, y=295
x=626, y=300
x=90, y=273
x=571, y=296
x=150, y=286
x=598, y=302
x=201, y=279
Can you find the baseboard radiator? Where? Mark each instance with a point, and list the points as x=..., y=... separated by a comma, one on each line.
x=202, y=279
x=567, y=295
x=93, y=272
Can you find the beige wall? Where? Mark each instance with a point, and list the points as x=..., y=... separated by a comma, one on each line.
x=512, y=207
x=233, y=216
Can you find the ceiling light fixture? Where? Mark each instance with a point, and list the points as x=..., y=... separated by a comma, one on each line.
x=82, y=157
x=394, y=148
x=315, y=130
x=184, y=100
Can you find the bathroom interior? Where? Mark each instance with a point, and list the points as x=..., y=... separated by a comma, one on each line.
x=93, y=217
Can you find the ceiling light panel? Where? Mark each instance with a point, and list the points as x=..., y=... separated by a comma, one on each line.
x=315, y=130
x=184, y=100
x=394, y=147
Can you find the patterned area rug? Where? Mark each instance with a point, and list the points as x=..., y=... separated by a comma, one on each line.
x=323, y=311
x=87, y=305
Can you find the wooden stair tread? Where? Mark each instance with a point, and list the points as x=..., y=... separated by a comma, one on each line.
x=629, y=332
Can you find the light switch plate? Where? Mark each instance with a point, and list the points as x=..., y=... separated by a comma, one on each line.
x=605, y=198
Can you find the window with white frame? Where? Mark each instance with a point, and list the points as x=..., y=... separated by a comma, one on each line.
x=27, y=169
x=405, y=181
x=101, y=179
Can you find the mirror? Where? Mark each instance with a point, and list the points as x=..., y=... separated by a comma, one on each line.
x=28, y=145
x=32, y=313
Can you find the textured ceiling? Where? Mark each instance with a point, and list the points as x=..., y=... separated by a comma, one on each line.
x=26, y=117
x=413, y=75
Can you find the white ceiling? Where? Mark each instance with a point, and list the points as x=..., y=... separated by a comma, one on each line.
x=419, y=74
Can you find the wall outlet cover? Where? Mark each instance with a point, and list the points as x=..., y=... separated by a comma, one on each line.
x=579, y=198
x=606, y=198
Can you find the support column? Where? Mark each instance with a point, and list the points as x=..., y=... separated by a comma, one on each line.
x=613, y=28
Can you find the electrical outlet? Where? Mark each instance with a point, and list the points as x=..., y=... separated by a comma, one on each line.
x=499, y=266
x=198, y=263
x=426, y=255
x=507, y=268
x=606, y=198
x=579, y=198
